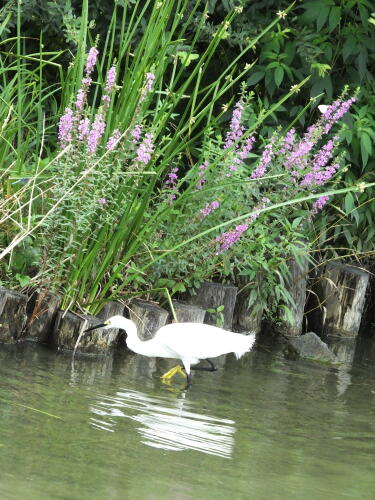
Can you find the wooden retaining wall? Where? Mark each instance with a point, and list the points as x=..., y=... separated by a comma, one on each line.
x=336, y=307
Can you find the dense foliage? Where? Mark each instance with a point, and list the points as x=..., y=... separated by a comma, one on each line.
x=329, y=41
x=191, y=148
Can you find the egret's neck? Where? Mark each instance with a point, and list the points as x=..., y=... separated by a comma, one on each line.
x=132, y=340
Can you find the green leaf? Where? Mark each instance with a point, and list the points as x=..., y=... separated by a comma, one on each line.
x=179, y=287
x=187, y=58
x=362, y=62
x=366, y=142
x=273, y=64
x=349, y=48
x=297, y=222
x=279, y=75
x=327, y=82
x=348, y=236
x=349, y=203
x=22, y=279
x=370, y=234
x=355, y=216
x=322, y=17
x=366, y=148
x=364, y=14
x=255, y=78
x=334, y=18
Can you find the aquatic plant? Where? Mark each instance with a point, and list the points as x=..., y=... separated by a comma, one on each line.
x=118, y=150
x=122, y=208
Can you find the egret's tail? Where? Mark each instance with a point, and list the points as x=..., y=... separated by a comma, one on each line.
x=244, y=343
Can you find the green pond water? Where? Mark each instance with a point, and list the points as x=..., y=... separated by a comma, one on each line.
x=260, y=428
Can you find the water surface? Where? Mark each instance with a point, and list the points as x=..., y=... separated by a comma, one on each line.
x=263, y=428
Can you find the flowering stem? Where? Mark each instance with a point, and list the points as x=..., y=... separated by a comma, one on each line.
x=237, y=219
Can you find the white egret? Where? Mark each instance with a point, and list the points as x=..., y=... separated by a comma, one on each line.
x=189, y=342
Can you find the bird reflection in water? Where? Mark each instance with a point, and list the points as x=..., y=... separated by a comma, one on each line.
x=165, y=424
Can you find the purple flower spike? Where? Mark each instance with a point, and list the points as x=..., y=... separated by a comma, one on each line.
x=319, y=177
x=288, y=141
x=297, y=158
x=102, y=201
x=145, y=149
x=91, y=60
x=172, y=177
x=210, y=207
x=80, y=99
x=111, y=79
x=113, y=140
x=247, y=147
x=319, y=204
x=150, y=77
x=229, y=238
x=136, y=133
x=65, y=127
x=236, y=130
x=96, y=132
x=83, y=129
x=171, y=184
x=201, y=172
x=86, y=81
x=265, y=160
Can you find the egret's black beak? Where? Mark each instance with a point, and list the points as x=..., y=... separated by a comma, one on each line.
x=95, y=327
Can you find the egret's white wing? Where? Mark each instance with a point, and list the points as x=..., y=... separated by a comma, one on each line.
x=197, y=340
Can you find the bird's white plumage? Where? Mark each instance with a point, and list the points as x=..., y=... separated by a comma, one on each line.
x=189, y=342
x=201, y=341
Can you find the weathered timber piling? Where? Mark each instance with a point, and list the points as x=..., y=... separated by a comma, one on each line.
x=148, y=317
x=111, y=308
x=42, y=317
x=337, y=306
x=291, y=320
x=12, y=315
x=68, y=327
x=188, y=313
x=214, y=295
x=247, y=317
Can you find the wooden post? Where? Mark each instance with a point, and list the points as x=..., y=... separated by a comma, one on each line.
x=68, y=327
x=249, y=318
x=291, y=321
x=188, y=313
x=148, y=317
x=213, y=295
x=111, y=308
x=42, y=317
x=12, y=315
x=340, y=290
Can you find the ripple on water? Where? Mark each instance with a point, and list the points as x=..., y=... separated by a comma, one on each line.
x=165, y=423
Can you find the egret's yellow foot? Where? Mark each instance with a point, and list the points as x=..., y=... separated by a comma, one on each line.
x=170, y=373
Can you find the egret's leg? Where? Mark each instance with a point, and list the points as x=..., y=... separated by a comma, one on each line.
x=186, y=363
x=211, y=368
x=189, y=381
x=172, y=372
